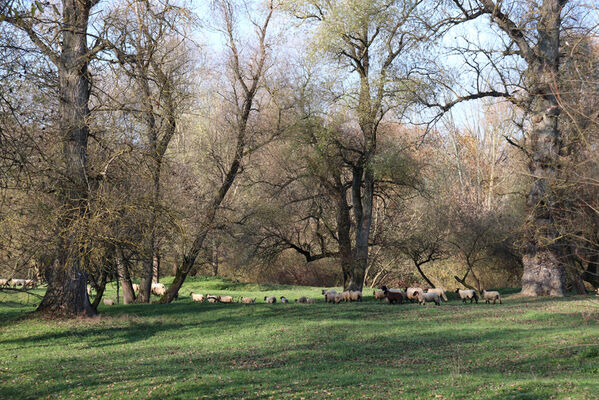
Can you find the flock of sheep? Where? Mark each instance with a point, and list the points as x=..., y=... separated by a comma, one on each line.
x=391, y=295
x=14, y=283
x=398, y=296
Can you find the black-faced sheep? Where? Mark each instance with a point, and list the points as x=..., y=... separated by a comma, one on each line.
x=439, y=291
x=424, y=298
x=468, y=294
x=270, y=299
x=212, y=298
x=411, y=293
x=284, y=300
x=393, y=297
x=491, y=295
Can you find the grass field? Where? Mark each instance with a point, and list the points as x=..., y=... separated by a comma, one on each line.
x=524, y=349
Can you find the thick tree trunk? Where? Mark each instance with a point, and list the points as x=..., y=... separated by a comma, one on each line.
x=67, y=283
x=543, y=270
x=125, y=278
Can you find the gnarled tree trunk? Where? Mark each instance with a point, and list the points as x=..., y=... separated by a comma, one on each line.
x=67, y=281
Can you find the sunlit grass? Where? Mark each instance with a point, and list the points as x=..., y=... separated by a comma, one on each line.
x=523, y=349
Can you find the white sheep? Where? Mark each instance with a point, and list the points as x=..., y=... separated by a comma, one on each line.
x=355, y=295
x=491, y=295
x=225, y=299
x=17, y=282
x=29, y=283
x=284, y=300
x=135, y=287
x=424, y=298
x=338, y=298
x=378, y=294
x=439, y=291
x=468, y=294
x=270, y=299
x=412, y=293
x=3, y=282
x=197, y=297
x=346, y=296
x=108, y=302
x=248, y=300
x=158, y=289
x=329, y=295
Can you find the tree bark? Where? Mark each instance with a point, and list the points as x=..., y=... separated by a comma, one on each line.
x=67, y=282
x=124, y=277
x=344, y=232
x=100, y=287
x=543, y=270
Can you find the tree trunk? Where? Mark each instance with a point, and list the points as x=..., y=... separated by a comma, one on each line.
x=100, y=287
x=67, y=282
x=124, y=277
x=543, y=271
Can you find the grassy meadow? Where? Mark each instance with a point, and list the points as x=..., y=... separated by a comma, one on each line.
x=543, y=348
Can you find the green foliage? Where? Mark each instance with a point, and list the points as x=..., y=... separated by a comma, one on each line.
x=535, y=349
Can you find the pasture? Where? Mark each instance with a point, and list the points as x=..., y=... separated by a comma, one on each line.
x=544, y=348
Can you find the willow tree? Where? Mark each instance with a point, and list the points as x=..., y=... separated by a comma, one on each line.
x=66, y=276
x=371, y=39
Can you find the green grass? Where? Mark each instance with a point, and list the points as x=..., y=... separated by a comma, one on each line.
x=524, y=349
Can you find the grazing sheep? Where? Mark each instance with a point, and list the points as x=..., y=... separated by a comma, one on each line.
x=411, y=293
x=310, y=300
x=29, y=283
x=491, y=295
x=329, y=295
x=424, y=298
x=345, y=295
x=302, y=299
x=439, y=291
x=392, y=297
x=284, y=300
x=338, y=298
x=225, y=299
x=467, y=295
x=212, y=299
x=3, y=282
x=355, y=295
x=270, y=299
x=197, y=297
x=248, y=300
x=158, y=289
x=378, y=295
x=135, y=287
x=16, y=282
x=108, y=302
